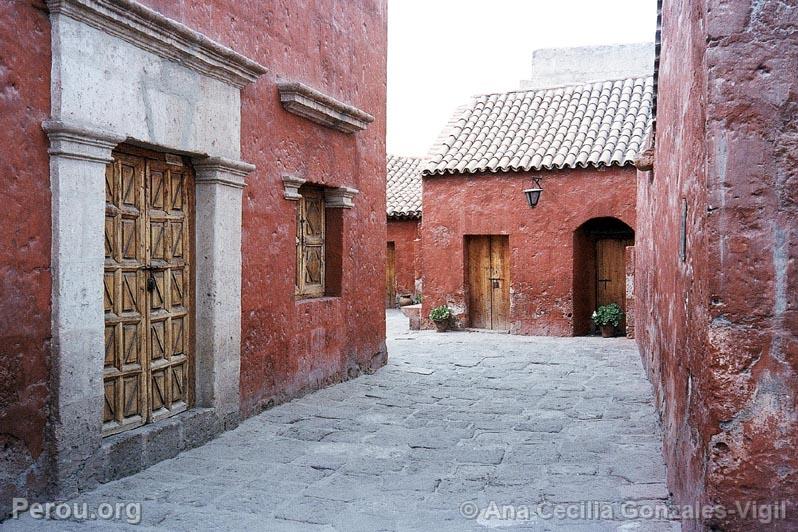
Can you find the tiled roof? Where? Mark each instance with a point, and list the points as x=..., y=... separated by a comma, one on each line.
x=404, y=187
x=595, y=124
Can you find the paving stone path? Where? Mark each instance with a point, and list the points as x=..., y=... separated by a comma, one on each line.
x=523, y=429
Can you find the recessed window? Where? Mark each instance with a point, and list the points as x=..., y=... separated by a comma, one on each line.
x=310, y=243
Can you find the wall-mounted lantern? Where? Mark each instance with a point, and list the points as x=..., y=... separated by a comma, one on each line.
x=533, y=194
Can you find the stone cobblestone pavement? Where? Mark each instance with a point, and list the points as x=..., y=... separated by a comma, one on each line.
x=453, y=422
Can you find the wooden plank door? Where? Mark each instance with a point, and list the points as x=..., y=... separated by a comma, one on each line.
x=488, y=278
x=147, y=282
x=611, y=272
x=124, y=377
x=168, y=288
x=500, y=282
x=390, y=276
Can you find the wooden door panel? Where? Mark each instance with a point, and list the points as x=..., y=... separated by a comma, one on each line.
x=500, y=282
x=179, y=336
x=178, y=289
x=132, y=395
x=610, y=272
x=123, y=292
x=479, y=289
x=177, y=250
x=147, y=296
x=132, y=346
x=178, y=385
x=170, y=297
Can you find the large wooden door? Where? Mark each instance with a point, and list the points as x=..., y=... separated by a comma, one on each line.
x=488, y=277
x=611, y=272
x=390, y=276
x=148, y=349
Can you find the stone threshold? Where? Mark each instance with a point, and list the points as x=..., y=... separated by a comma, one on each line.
x=132, y=451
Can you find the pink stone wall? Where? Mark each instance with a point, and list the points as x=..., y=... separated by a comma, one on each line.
x=718, y=329
x=406, y=236
x=24, y=250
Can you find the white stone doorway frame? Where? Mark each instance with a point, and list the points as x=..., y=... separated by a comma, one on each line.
x=122, y=72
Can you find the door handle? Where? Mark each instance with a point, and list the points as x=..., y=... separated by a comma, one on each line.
x=151, y=283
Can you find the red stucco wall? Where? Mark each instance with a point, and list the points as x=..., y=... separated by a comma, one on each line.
x=406, y=236
x=541, y=239
x=24, y=249
x=718, y=331
x=338, y=47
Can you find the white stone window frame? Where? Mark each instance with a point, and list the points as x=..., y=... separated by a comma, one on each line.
x=122, y=72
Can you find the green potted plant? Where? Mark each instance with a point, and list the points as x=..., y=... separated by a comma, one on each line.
x=441, y=316
x=607, y=318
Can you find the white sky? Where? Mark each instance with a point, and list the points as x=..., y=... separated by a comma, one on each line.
x=441, y=52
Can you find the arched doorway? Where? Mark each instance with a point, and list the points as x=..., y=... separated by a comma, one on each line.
x=599, y=268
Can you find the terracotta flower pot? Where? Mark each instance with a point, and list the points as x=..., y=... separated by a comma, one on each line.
x=405, y=300
x=441, y=325
x=607, y=331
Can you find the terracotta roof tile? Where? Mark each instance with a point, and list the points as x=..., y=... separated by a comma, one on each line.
x=595, y=124
x=404, y=186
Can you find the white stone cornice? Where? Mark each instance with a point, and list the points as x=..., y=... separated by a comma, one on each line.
x=340, y=198
x=309, y=103
x=74, y=141
x=292, y=184
x=222, y=171
x=151, y=31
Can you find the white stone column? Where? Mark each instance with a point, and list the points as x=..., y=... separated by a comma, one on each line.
x=78, y=157
x=219, y=185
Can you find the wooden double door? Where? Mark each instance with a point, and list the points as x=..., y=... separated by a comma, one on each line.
x=147, y=372
x=488, y=279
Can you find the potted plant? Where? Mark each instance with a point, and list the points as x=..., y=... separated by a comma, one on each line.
x=441, y=316
x=607, y=318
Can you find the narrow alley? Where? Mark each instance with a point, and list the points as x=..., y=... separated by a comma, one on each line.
x=460, y=431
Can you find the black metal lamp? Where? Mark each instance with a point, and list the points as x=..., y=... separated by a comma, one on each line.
x=533, y=194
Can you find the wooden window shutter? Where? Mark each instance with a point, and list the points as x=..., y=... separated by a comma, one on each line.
x=310, y=243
